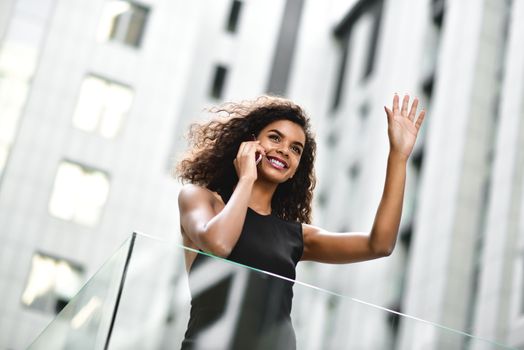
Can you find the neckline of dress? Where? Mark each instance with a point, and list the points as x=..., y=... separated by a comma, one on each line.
x=256, y=212
x=253, y=210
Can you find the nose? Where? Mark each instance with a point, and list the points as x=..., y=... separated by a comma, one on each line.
x=284, y=151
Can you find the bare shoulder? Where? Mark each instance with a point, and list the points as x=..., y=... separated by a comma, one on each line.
x=195, y=204
x=310, y=230
x=190, y=191
x=312, y=237
x=193, y=196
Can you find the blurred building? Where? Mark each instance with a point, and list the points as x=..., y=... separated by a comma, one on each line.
x=89, y=92
x=95, y=97
x=459, y=257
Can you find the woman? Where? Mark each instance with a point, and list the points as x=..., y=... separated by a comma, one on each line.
x=249, y=200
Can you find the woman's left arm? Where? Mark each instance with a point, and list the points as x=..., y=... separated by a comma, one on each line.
x=341, y=248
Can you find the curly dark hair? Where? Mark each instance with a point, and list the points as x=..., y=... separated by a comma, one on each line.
x=214, y=146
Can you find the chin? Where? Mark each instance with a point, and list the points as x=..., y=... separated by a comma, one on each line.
x=271, y=177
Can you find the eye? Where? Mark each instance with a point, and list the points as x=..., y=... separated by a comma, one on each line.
x=297, y=150
x=274, y=137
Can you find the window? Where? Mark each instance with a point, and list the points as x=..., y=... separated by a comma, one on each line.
x=322, y=199
x=123, y=22
x=285, y=47
x=332, y=139
x=522, y=290
x=102, y=106
x=376, y=13
x=437, y=11
x=354, y=171
x=79, y=194
x=234, y=14
x=219, y=81
x=431, y=50
x=332, y=315
x=341, y=73
x=343, y=33
x=52, y=283
x=363, y=110
x=16, y=69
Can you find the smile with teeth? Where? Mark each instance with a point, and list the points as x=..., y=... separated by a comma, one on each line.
x=276, y=163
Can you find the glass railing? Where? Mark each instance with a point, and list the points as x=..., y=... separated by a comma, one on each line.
x=87, y=320
x=232, y=306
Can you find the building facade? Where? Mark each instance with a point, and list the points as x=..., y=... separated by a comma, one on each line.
x=86, y=87
x=95, y=98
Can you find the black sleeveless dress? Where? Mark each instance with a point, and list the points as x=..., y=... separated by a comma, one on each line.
x=234, y=307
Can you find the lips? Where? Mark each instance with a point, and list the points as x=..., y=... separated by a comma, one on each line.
x=277, y=162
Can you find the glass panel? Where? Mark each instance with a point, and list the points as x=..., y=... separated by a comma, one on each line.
x=52, y=283
x=226, y=305
x=85, y=322
x=144, y=305
x=237, y=307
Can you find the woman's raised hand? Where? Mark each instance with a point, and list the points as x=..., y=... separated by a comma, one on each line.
x=402, y=126
x=245, y=162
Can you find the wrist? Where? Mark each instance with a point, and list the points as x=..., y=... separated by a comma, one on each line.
x=398, y=156
x=246, y=179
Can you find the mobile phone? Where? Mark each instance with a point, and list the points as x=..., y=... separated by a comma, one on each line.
x=258, y=157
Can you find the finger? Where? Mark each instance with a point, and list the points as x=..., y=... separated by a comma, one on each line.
x=261, y=149
x=251, y=149
x=420, y=119
x=405, y=102
x=251, y=144
x=389, y=112
x=413, y=110
x=395, y=103
x=241, y=149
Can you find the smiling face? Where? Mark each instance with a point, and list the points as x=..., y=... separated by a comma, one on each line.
x=284, y=143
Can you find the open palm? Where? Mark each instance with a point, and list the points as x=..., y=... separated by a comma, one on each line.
x=402, y=126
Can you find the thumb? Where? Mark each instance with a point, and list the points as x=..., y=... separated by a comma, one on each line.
x=388, y=111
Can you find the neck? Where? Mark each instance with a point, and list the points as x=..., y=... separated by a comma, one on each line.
x=261, y=196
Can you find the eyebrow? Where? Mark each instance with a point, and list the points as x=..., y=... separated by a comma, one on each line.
x=282, y=135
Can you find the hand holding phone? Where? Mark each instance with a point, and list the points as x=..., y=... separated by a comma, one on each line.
x=244, y=163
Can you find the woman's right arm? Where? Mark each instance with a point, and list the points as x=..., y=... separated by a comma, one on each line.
x=217, y=233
